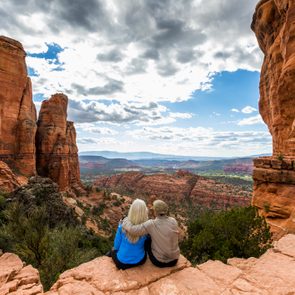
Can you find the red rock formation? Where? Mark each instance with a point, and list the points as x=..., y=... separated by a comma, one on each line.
x=273, y=24
x=57, y=152
x=17, y=110
x=274, y=179
x=180, y=189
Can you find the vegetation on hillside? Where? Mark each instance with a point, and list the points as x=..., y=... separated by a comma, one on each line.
x=36, y=225
x=239, y=232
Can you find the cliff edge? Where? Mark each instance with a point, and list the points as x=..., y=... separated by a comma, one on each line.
x=272, y=273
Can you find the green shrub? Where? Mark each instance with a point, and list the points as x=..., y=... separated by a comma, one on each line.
x=239, y=232
x=44, y=232
x=98, y=210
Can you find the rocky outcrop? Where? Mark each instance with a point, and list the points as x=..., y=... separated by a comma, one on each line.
x=274, y=186
x=17, y=110
x=18, y=279
x=57, y=152
x=272, y=273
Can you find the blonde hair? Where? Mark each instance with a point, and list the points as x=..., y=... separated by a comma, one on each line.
x=138, y=213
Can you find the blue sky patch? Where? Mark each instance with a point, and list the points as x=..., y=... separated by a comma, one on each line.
x=212, y=108
x=32, y=72
x=52, y=52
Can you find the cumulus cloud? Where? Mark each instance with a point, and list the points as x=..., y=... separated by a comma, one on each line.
x=118, y=113
x=235, y=110
x=206, y=139
x=187, y=141
x=248, y=110
x=121, y=61
x=118, y=49
x=251, y=121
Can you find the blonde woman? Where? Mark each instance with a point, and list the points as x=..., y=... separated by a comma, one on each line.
x=128, y=250
x=162, y=246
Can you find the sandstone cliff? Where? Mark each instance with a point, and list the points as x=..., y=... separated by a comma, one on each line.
x=273, y=273
x=17, y=110
x=274, y=177
x=57, y=152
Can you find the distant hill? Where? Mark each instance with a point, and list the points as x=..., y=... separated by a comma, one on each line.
x=100, y=165
x=145, y=155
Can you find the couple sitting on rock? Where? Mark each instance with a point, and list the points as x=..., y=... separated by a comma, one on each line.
x=137, y=236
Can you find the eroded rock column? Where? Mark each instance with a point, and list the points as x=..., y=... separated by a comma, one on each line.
x=57, y=152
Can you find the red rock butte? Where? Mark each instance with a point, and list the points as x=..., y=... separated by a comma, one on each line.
x=274, y=177
x=54, y=153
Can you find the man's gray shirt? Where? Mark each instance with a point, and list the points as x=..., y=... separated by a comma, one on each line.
x=164, y=234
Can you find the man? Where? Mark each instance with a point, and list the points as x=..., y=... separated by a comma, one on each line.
x=162, y=247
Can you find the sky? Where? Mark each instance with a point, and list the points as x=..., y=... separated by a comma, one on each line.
x=173, y=77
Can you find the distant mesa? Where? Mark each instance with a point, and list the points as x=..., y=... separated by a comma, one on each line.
x=53, y=152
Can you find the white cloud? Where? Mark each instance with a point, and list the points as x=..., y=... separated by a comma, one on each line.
x=251, y=121
x=248, y=110
x=133, y=50
x=235, y=110
x=201, y=141
x=118, y=113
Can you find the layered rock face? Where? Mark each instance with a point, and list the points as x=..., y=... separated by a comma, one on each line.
x=17, y=110
x=274, y=179
x=57, y=152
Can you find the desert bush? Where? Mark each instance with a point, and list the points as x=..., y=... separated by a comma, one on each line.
x=44, y=232
x=239, y=232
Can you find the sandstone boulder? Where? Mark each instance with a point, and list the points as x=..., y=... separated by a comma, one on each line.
x=16, y=278
x=17, y=110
